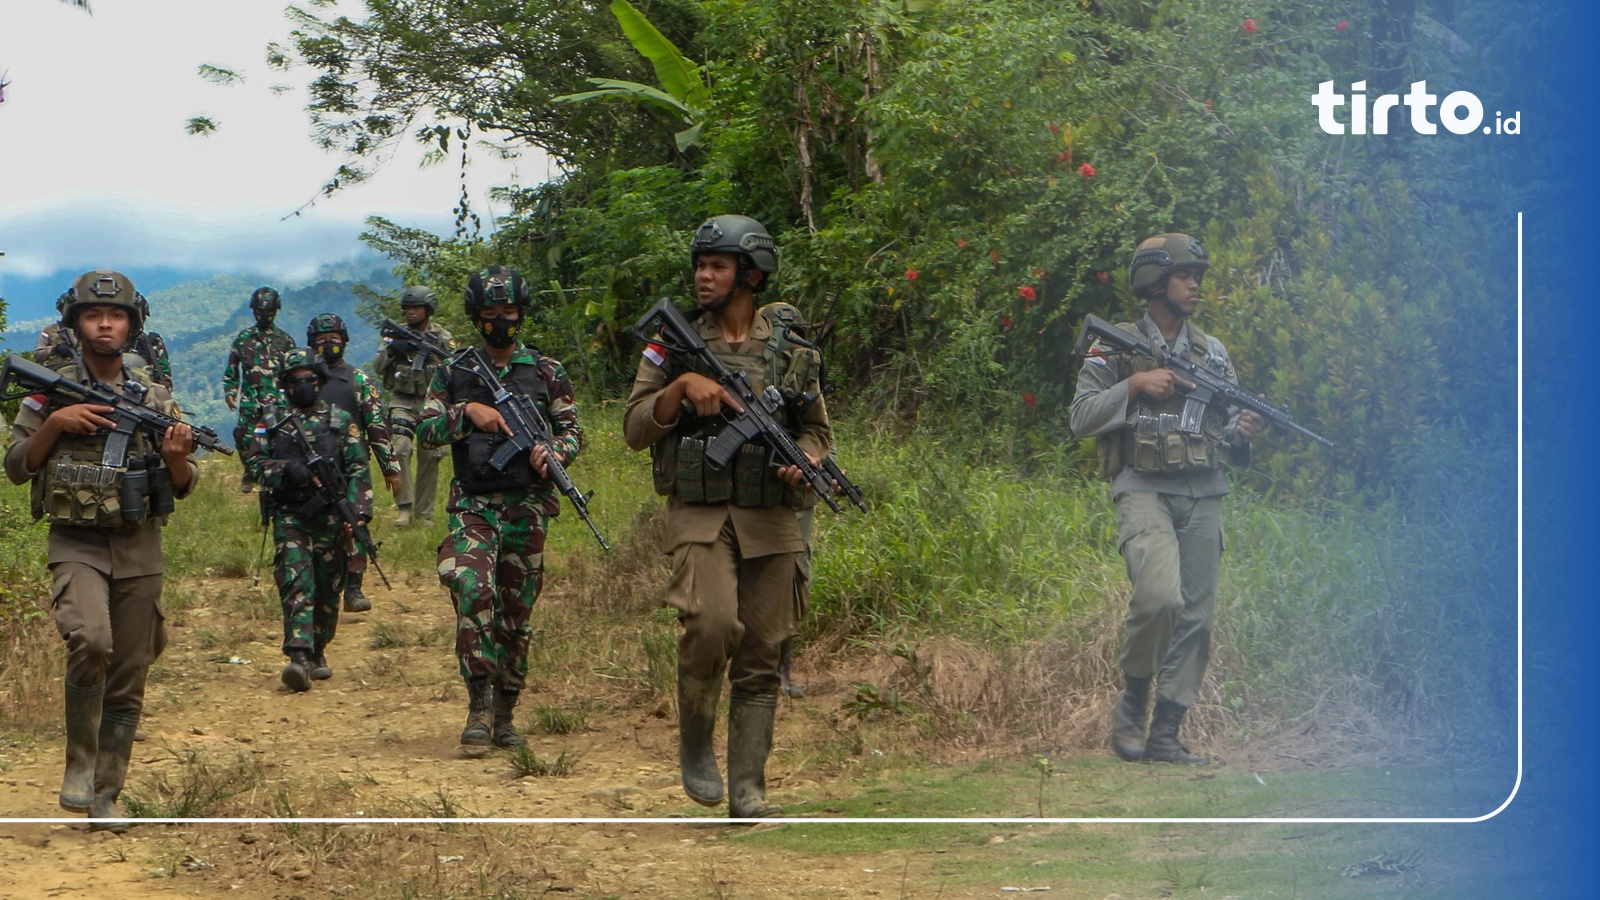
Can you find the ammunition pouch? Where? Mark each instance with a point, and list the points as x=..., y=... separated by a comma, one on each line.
x=305, y=502
x=68, y=492
x=471, y=456
x=1155, y=445
x=412, y=382
x=678, y=467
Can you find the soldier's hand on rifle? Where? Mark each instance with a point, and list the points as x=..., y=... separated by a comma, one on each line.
x=391, y=480
x=296, y=473
x=706, y=396
x=1158, y=384
x=82, y=418
x=232, y=403
x=1248, y=425
x=539, y=456
x=177, y=443
x=794, y=476
x=402, y=347
x=487, y=418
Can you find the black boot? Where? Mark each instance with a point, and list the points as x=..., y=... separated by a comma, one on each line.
x=750, y=721
x=354, y=600
x=697, y=726
x=1128, y=718
x=505, y=726
x=111, y=769
x=297, y=674
x=83, y=745
x=786, y=685
x=320, y=670
x=1163, y=744
x=476, y=737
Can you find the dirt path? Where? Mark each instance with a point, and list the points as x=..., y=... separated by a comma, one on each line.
x=380, y=739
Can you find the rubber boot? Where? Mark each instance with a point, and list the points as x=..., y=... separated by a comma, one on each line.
x=354, y=600
x=1163, y=744
x=1128, y=718
x=750, y=721
x=505, y=725
x=404, y=518
x=697, y=727
x=297, y=674
x=111, y=769
x=476, y=736
x=786, y=685
x=83, y=745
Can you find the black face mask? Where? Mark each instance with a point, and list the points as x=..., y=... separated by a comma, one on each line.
x=499, y=332
x=264, y=320
x=332, y=352
x=304, y=396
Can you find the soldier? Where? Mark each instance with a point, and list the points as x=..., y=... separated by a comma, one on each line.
x=308, y=532
x=147, y=350
x=736, y=554
x=56, y=344
x=1168, y=488
x=350, y=389
x=249, y=383
x=493, y=558
x=105, y=540
x=408, y=391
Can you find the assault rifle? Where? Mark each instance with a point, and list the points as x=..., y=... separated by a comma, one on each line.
x=528, y=430
x=427, y=345
x=327, y=477
x=665, y=325
x=19, y=378
x=1208, y=385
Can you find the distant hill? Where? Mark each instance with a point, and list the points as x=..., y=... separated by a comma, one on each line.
x=199, y=318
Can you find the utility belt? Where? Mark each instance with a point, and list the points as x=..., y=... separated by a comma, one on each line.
x=1155, y=445
x=678, y=467
x=100, y=496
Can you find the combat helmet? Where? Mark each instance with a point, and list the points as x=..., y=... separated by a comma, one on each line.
x=301, y=358
x=327, y=323
x=265, y=299
x=1156, y=257
x=107, y=288
x=417, y=295
x=736, y=234
x=495, y=286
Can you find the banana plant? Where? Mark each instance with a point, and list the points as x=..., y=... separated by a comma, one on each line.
x=682, y=90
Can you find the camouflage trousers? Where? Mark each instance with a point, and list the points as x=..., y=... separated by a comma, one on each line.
x=309, y=566
x=493, y=563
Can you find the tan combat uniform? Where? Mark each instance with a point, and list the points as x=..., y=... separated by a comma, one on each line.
x=408, y=394
x=735, y=569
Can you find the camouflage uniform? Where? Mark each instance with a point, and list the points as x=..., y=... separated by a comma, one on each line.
x=408, y=394
x=493, y=558
x=352, y=390
x=250, y=380
x=309, y=563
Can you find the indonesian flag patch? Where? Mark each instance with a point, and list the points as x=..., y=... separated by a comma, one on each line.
x=34, y=402
x=656, y=354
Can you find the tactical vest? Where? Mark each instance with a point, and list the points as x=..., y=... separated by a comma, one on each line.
x=1151, y=442
x=340, y=393
x=471, y=454
x=76, y=487
x=678, y=463
x=307, y=500
x=402, y=379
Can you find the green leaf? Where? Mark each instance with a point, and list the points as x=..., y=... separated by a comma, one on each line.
x=200, y=125
x=677, y=75
x=643, y=93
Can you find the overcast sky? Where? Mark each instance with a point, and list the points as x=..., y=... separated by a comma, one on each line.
x=97, y=170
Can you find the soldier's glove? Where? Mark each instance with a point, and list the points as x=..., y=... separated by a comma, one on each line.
x=62, y=350
x=296, y=474
x=402, y=347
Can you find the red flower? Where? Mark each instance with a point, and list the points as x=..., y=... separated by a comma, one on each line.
x=911, y=274
x=1054, y=128
x=1029, y=400
x=1064, y=156
x=1087, y=171
x=1343, y=26
x=994, y=256
x=1102, y=276
x=1006, y=323
x=1027, y=293
x=961, y=243
x=1249, y=26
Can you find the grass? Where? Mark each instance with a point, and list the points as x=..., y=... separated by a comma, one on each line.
x=201, y=786
x=526, y=763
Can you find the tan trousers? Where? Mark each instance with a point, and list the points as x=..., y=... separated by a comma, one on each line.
x=734, y=610
x=114, y=629
x=1172, y=545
